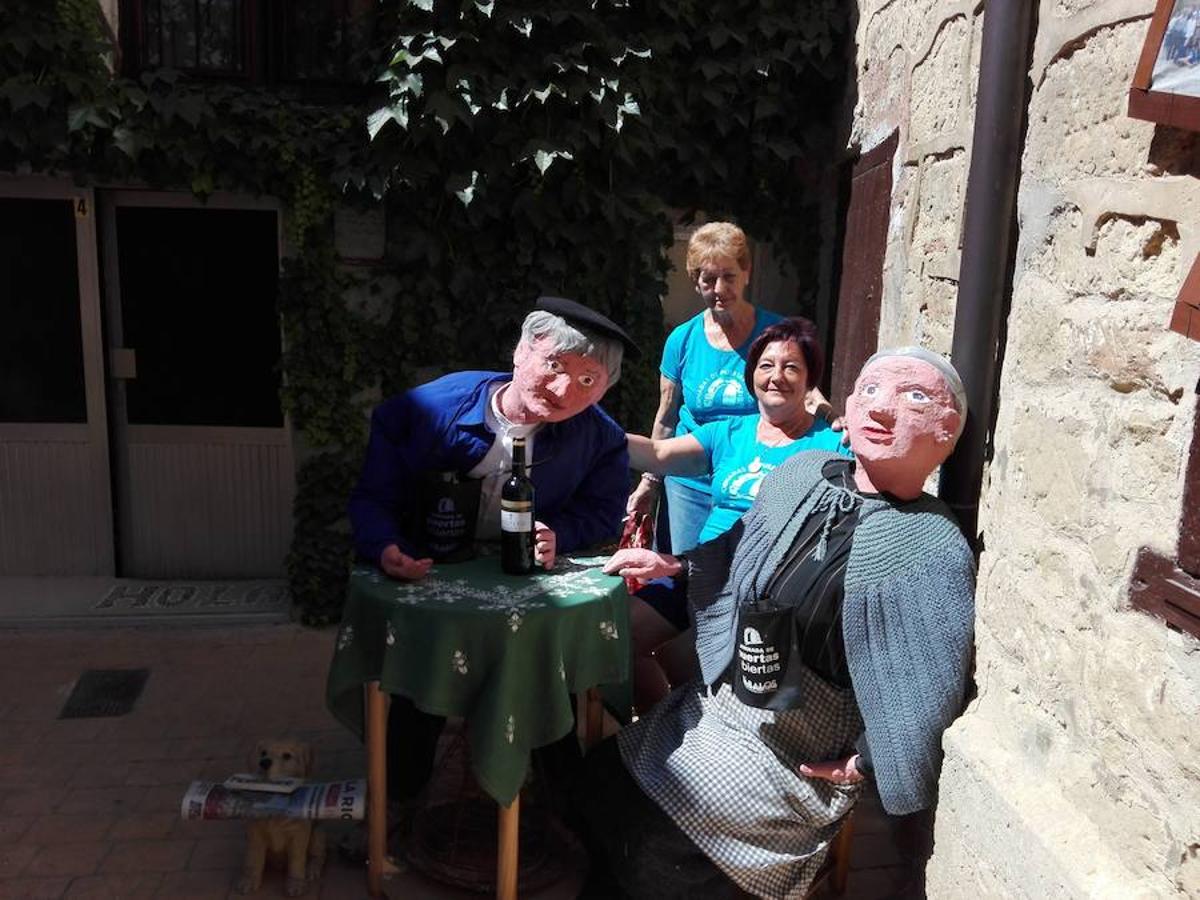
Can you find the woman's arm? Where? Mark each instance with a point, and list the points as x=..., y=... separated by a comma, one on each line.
x=670, y=400
x=666, y=419
x=668, y=456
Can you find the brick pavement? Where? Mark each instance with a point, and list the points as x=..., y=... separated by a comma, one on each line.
x=89, y=808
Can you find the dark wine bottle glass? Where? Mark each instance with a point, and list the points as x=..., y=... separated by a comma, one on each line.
x=516, y=516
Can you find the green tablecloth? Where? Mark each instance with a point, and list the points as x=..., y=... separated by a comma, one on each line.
x=504, y=652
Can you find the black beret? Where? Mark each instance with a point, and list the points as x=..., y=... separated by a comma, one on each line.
x=589, y=319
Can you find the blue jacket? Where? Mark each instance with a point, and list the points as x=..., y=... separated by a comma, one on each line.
x=580, y=467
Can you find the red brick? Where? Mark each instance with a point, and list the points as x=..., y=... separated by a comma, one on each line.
x=162, y=798
x=12, y=829
x=31, y=802
x=203, y=884
x=115, y=887
x=56, y=829
x=99, y=774
x=223, y=853
x=67, y=859
x=148, y=856
x=140, y=826
x=209, y=829
x=102, y=801
x=75, y=731
x=32, y=888
x=14, y=857
x=176, y=772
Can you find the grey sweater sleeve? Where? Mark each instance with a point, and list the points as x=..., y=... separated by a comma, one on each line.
x=908, y=644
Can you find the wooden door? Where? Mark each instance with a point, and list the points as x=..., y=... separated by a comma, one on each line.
x=860, y=284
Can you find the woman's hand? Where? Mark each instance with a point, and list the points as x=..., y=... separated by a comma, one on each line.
x=545, y=545
x=644, y=565
x=643, y=498
x=402, y=566
x=840, y=771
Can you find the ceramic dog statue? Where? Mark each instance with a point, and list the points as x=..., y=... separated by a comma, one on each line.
x=298, y=842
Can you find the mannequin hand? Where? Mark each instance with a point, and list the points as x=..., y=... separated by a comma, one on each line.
x=840, y=771
x=545, y=545
x=644, y=565
x=401, y=566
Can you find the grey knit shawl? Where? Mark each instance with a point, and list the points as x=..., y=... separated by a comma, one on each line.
x=907, y=613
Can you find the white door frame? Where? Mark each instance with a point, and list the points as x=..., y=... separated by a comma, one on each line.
x=91, y=436
x=142, y=553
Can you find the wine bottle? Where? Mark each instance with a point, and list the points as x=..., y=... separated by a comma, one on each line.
x=516, y=516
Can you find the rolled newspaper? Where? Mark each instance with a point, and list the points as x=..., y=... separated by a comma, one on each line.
x=345, y=800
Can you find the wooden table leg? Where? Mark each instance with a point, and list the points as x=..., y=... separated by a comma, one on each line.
x=377, y=706
x=593, y=727
x=506, y=851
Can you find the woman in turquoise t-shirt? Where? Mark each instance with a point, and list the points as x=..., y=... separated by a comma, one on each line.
x=702, y=372
x=782, y=365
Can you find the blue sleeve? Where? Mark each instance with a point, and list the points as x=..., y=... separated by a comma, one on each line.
x=594, y=511
x=708, y=436
x=672, y=355
x=399, y=441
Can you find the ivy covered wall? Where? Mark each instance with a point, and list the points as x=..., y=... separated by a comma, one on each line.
x=518, y=148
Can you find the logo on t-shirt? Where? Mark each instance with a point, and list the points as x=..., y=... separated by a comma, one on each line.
x=744, y=481
x=723, y=391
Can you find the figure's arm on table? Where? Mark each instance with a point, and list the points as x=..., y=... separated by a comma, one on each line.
x=666, y=419
x=388, y=474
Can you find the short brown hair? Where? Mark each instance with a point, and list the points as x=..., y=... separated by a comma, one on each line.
x=799, y=331
x=713, y=240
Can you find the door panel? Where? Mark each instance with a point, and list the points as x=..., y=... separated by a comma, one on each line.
x=860, y=292
x=55, y=508
x=203, y=458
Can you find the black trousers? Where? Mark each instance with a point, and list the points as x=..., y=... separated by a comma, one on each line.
x=636, y=849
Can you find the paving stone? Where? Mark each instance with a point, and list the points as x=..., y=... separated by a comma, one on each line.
x=148, y=856
x=15, y=857
x=59, y=829
x=131, y=886
x=68, y=859
x=223, y=853
x=142, y=826
x=33, y=888
x=13, y=829
x=102, y=801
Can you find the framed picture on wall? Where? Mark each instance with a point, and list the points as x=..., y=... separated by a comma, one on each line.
x=1166, y=84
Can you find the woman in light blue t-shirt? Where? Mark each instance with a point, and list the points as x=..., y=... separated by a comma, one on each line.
x=702, y=376
x=782, y=365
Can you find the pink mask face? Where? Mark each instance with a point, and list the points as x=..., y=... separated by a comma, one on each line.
x=902, y=412
x=551, y=387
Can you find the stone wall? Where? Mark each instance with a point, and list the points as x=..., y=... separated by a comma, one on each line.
x=1076, y=771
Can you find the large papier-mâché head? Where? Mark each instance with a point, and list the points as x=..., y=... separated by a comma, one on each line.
x=905, y=415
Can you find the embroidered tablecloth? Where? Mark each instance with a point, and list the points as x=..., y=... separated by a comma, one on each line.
x=504, y=652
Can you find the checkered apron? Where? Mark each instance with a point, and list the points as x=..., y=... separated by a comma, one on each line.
x=726, y=774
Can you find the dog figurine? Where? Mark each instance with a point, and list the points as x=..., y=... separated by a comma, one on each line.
x=298, y=841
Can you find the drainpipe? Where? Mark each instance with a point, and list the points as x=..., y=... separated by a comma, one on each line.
x=989, y=235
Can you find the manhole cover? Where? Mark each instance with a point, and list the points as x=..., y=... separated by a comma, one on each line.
x=101, y=693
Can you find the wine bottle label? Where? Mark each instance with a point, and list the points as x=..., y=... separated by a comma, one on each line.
x=516, y=521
